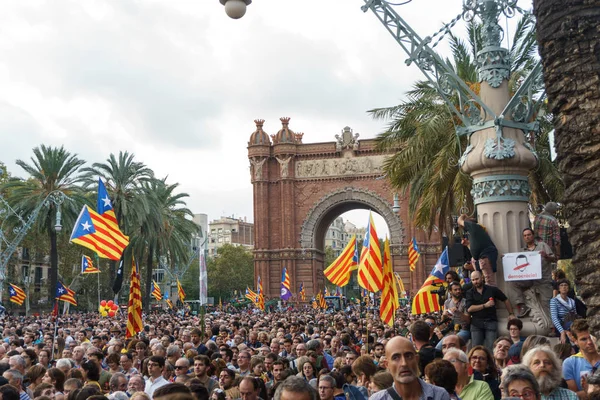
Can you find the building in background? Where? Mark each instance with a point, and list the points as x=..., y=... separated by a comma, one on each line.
x=351, y=229
x=229, y=230
x=339, y=234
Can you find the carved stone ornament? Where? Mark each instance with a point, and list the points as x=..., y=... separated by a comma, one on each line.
x=500, y=188
x=340, y=167
x=499, y=148
x=334, y=199
x=257, y=164
x=347, y=140
x=540, y=312
x=284, y=164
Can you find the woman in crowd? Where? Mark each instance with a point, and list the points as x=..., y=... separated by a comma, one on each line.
x=35, y=375
x=442, y=373
x=502, y=346
x=380, y=381
x=44, y=358
x=307, y=370
x=44, y=389
x=484, y=368
x=514, y=327
x=563, y=310
x=257, y=366
x=56, y=378
x=30, y=357
x=519, y=381
x=113, y=361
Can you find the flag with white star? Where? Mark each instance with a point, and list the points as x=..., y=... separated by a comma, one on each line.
x=92, y=231
x=17, y=295
x=87, y=266
x=65, y=294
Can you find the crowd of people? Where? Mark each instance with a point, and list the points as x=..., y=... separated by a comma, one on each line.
x=456, y=353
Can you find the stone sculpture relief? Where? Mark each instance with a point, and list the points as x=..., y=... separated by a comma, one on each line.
x=339, y=167
x=347, y=140
x=284, y=163
x=257, y=164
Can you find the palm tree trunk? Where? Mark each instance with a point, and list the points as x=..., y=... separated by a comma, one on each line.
x=53, y=263
x=570, y=48
x=148, y=279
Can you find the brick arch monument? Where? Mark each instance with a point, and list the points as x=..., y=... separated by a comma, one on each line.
x=300, y=188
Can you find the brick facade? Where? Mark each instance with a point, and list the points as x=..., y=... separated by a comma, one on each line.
x=299, y=189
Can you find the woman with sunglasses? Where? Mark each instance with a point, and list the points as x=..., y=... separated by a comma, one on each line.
x=485, y=369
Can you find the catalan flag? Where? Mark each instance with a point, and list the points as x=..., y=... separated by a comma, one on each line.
x=321, y=300
x=134, y=306
x=87, y=266
x=315, y=304
x=180, y=291
x=65, y=294
x=302, y=292
x=413, y=254
x=156, y=293
x=250, y=295
x=92, y=231
x=261, y=296
x=169, y=303
x=340, y=269
x=401, y=290
x=425, y=301
x=326, y=292
x=338, y=291
x=370, y=271
x=389, y=293
x=105, y=208
x=286, y=285
x=17, y=295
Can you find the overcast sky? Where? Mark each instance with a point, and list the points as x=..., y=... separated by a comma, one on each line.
x=178, y=83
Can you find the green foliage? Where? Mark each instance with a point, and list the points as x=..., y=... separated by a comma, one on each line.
x=329, y=256
x=422, y=133
x=231, y=269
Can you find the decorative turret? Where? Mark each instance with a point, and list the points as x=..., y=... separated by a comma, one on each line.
x=285, y=134
x=259, y=137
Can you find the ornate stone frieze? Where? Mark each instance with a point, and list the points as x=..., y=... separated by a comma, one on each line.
x=345, y=166
x=500, y=188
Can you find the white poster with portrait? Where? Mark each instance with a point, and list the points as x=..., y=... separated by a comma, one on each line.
x=523, y=266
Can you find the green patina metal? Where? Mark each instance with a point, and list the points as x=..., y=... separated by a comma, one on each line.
x=498, y=188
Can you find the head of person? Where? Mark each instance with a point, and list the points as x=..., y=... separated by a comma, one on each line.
x=378, y=350
x=226, y=378
x=243, y=360
x=443, y=374
x=173, y=391
x=301, y=350
x=459, y=361
x=249, y=388
x=403, y=361
x=593, y=383
x=91, y=371
x=452, y=276
x=528, y=236
x=477, y=279
x=257, y=365
x=420, y=331
x=55, y=377
x=551, y=208
x=326, y=387
x=182, y=366
x=35, y=374
x=9, y=392
x=44, y=389
x=71, y=385
x=17, y=362
x=501, y=348
x=519, y=381
x=455, y=289
x=269, y=360
x=14, y=378
x=308, y=369
x=533, y=341
x=278, y=369
x=118, y=382
x=136, y=384
x=201, y=364
x=514, y=327
x=380, y=381
x=295, y=388
x=453, y=342
x=546, y=367
x=580, y=330
x=155, y=366
x=482, y=360
x=364, y=368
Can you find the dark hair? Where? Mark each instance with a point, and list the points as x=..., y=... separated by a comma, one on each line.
x=514, y=322
x=229, y=372
x=578, y=326
x=420, y=331
x=160, y=360
x=205, y=360
x=563, y=281
x=560, y=274
x=40, y=388
x=442, y=373
x=533, y=341
x=9, y=392
x=455, y=277
x=58, y=377
x=491, y=363
x=528, y=229
x=171, y=388
x=364, y=365
x=87, y=391
x=92, y=370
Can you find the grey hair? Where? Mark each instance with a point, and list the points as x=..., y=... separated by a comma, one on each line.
x=212, y=345
x=118, y=396
x=313, y=344
x=295, y=384
x=330, y=379
x=114, y=381
x=64, y=362
x=19, y=359
x=556, y=363
x=519, y=372
x=15, y=374
x=173, y=350
x=458, y=353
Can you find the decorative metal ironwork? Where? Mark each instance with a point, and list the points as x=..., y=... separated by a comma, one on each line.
x=463, y=158
x=500, y=188
x=499, y=148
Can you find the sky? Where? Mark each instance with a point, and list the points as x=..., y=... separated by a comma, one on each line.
x=178, y=83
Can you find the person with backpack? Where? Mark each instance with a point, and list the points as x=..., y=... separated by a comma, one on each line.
x=420, y=332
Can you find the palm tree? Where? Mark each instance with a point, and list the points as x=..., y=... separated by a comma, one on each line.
x=123, y=177
x=568, y=41
x=52, y=169
x=167, y=230
x=422, y=132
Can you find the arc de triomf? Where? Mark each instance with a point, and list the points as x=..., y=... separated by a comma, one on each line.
x=300, y=188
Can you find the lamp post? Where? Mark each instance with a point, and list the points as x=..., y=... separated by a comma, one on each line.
x=22, y=226
x=235, y=8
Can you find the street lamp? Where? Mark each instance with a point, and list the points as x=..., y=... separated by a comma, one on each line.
x=235, y=8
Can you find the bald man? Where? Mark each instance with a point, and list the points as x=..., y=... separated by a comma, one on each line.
x=403, y=364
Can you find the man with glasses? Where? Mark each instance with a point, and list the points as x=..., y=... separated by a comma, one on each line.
x=127, y=365
x=182, y=366
x=155, y=380
x=243, y=360
x=136, y=384
x=467, y=387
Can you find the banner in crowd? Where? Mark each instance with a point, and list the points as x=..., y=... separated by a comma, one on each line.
x=523, y=266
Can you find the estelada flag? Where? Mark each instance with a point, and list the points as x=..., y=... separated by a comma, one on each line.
x=425, y=301
x=87, y=266
x=91, y=231
x=17, y=295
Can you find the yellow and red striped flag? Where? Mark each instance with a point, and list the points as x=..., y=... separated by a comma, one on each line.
x=180, y=292
x=261, y=297
x=65, y=294
x=17, y=295
x=169, y=303
x=321, y=300
x=302, y=292
x=413, y=254
x=370, y=271
x=156, y=291
x=251, y=295
x=87, y=266
x=134, y=307
x=401, y=290
x=92, y=231
x=425, y=301
x=389, y=294
x=340, y=269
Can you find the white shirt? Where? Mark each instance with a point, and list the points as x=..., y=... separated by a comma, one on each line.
x=152, y=385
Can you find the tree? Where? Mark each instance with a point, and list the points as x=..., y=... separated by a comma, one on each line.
x=570, y=46
x=123, y=177
x=51, y=169
x=421, y=132
x=231, y=269
x=330, y=256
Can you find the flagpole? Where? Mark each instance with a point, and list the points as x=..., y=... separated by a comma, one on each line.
x=55, y=330
x=98, y=289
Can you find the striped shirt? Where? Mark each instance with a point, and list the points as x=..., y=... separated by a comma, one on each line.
x=558, y=310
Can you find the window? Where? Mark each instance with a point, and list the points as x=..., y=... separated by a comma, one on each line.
x=158, y=275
